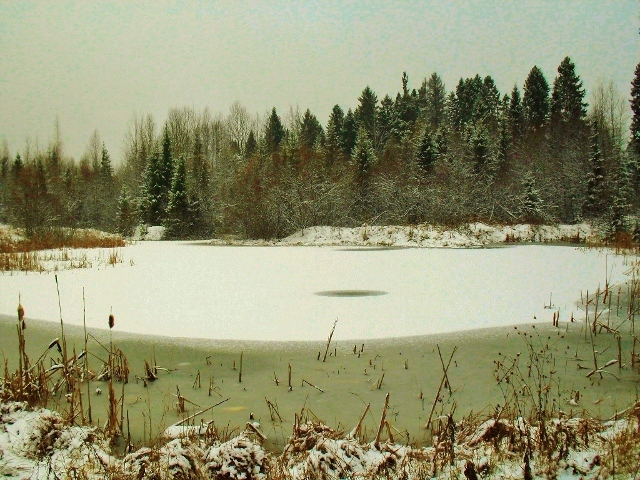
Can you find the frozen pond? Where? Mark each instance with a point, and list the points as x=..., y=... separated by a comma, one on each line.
x=296, y=293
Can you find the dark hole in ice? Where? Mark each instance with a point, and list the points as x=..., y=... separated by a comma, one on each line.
x=351, y=293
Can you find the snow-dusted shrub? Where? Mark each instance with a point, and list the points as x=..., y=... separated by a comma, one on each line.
x=238, y=459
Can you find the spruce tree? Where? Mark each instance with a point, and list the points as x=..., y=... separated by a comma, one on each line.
x=635, y=109
x=178, y=220
x=126, y=218
x=365, y=113
x=535, y=101
x=427, y=152
x=251, y=146
x=567, y=99
x=363, y=156
x=594, y=202
x=531, y=204
x=479, y=147
x=274, y=132
x=436, y=97
x=349, y=132
x=310, y=131
x=106, y=169
x=516, y=114
x=152, y=192
x=334, y=146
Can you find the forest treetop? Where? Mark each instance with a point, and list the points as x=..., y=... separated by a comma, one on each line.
x=538, y=153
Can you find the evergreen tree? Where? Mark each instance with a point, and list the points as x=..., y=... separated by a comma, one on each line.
x=251, y=146
x=464, y=105
x=106, y=169
x=365, y=113
x=635, y=109
x=405, y=111
x=363, y=156
x=435, y=104
x=388, y=121
x=427, y=151
x=274, y=133
x=487, y=104
x=594, y=202
x=531, y=205
x=567, y=105
x=178, y=221
x=363, y=159
x=479, y=146
x=349, y=132
x=126, y=219
x=310, y=130
x=153, y=192
x=536, y=99
x=516, y=114
x=334, y=145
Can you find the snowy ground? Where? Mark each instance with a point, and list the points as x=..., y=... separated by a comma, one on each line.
x=430, y=236
x=38, y=445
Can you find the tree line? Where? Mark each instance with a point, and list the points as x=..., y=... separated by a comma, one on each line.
x=537, y=154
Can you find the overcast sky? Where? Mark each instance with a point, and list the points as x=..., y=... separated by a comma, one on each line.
x=95, y=64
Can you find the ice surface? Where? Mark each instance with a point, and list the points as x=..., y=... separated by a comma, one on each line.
x=267, y=293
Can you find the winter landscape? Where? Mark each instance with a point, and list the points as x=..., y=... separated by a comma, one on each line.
x=294, y=240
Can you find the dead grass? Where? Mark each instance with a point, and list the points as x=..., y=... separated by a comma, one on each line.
x=32, y=254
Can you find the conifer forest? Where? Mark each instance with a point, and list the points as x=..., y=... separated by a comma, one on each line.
x=544, y=152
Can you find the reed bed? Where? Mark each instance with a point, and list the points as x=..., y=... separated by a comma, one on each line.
x=54, y=249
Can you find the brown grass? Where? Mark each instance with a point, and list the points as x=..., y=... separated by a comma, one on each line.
x=51, y=239
x=19, y=253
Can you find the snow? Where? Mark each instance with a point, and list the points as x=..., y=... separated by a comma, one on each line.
x=39, y=444
x=198, y=290
x=148, y=233
x=466, y=236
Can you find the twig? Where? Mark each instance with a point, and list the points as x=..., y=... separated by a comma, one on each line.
x=329, y=341
x=376, y=442
x=433, y=407
x=199, y=413
x=312, y=385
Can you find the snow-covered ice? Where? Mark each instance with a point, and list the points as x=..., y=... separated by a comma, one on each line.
x=194, y=289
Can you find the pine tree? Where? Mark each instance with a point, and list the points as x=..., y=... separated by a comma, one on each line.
x=567, y=105
x=178, y=220
x=535, y=101
x=274, y=133
x=635, y=109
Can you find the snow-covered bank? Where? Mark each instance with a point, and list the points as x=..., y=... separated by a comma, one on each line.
x=38, y=444
x=466, y=236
